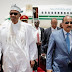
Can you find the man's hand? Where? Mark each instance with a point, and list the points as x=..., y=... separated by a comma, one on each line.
x=32, y=63
x=38, y=43
x=49, y=70
x=43, y=54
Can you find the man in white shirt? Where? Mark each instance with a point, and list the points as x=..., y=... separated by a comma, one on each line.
x=17, y=44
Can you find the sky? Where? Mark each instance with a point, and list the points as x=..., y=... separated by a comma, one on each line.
x=6, y=4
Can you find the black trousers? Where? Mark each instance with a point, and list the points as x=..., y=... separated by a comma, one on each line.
x=70, y=67
x=39, y=52
x=1, y=70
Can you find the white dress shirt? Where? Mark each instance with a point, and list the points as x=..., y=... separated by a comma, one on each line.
x=70, y=37
x=52, y=29
x=16, y=27
x=38, y=31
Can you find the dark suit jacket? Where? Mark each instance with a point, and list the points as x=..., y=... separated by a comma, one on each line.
x=58, y=58
x=42, y=32
x=45, y=39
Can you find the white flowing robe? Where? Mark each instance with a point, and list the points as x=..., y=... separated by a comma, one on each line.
x=18, y=48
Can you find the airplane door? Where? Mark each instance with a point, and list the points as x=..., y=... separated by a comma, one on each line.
x=35, y=12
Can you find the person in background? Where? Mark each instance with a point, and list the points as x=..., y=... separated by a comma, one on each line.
x=39, y=35
x=61, y=25
x=47, y=34
x=59, y=53
x=17, y=43
x=24, y=18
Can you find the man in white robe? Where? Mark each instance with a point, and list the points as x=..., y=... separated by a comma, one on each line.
x=17, y=44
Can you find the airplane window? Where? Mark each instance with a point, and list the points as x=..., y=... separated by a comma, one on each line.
x=64, y=12
x=48, y=12
x=70, y=12
x=55, y=12
x=45, y=12
x=42, y=12
x=61, y=13
x=58, y=12
x=67, y=12
x=51, y=12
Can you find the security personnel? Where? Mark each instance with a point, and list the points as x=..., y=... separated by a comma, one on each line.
x=24, y=18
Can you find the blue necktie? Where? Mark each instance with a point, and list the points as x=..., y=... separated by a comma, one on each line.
x=68, y=42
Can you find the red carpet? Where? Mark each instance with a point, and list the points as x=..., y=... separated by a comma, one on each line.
x=40, y=70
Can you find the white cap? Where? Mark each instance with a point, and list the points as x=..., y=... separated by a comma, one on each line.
x=15, y=7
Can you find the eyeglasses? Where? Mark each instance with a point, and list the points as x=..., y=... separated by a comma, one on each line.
x=68, y=22
x=13, y=13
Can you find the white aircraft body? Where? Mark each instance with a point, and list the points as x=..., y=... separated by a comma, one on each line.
x=45, y=13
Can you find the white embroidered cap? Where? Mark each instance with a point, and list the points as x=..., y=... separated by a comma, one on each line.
x=15, y=7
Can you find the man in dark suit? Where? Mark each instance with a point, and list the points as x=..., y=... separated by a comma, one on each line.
x=47, y=34
x=59, y=53
x=39, y=31
x=39, y=35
